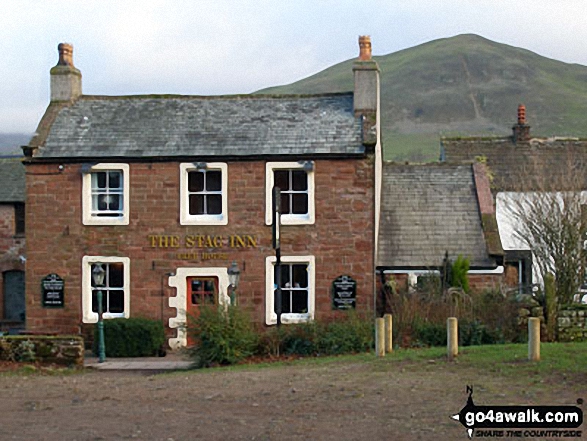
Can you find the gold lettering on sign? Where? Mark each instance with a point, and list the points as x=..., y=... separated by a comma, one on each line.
x=203, y=241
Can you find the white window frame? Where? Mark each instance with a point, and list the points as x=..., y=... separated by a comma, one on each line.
x=87, y=216
x=289, y=318
x=88, y=316
x=288, y=219
x=185, y=217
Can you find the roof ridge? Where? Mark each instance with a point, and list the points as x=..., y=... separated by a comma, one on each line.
x=212, y=97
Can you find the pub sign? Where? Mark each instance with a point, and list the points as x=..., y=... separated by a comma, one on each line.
x=52, y=288
x=344, y=293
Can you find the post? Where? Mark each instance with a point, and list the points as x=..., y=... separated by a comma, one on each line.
x=534, y=339
x=388, y=333
x=101, y=344
x=276, y=242
x=452, y=337
x=379, y=337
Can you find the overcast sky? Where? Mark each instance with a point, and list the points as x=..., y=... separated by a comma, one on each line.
x=201, y=47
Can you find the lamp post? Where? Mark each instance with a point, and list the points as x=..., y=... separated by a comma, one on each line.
x=234, y=275
x=98, y=274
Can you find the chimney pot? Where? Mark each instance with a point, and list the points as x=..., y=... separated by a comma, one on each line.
x=521, y=114
x=364, y=48
x=521, y=129
x=65, y=54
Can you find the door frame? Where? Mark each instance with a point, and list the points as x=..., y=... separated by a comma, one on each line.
x=179, y=302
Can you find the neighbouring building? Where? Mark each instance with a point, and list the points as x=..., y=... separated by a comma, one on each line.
x=166, y=192
x=433, y=211
x=519, y=165
x=12, y=245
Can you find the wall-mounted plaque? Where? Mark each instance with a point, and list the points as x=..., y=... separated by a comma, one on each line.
x=344, y=293
x=52, y=288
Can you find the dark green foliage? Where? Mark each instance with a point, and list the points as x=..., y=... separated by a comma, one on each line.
x=473, y=333
x=459, y=278
x=351, y=335
x=222, y=336
x=428, y=334
x=470, y=333
x=132, y=337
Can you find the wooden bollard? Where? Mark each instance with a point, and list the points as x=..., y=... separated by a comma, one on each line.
x=388, y=333
x=379, y=337
x=452, y=337
x=533, y=339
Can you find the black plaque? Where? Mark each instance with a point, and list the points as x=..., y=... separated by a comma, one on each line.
x=52, y=287
x=344, y=293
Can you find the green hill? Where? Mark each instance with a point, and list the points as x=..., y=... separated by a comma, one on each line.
x=464, y=85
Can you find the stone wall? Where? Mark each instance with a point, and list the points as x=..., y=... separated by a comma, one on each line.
x=572, y=325
x=62, y=350
x=341, y=240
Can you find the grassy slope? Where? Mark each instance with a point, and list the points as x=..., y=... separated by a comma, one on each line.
x=463, y=85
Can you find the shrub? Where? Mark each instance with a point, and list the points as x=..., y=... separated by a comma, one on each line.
x=351, y=333
x=132, y=337
x=221, y=336
x=428, y=334
x=459, y=277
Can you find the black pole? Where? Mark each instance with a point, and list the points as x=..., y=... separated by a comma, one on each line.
x=277, y=246
x=278, y=282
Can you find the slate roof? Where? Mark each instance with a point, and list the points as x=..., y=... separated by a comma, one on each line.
x=427, y=210
x=168, y=126
x=522, y=166
x=12, y=181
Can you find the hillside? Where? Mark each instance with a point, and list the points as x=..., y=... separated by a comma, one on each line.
x=463, y=85
x=10, y=143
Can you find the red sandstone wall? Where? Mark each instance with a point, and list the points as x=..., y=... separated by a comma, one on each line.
x=341, y=240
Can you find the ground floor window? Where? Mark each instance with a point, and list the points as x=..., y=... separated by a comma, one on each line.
x=115, y=289
x=297, y=289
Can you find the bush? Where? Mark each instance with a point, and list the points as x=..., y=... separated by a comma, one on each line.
x=349, y=334
x=472, y=333
x=459, y=277
x=132, y=337
x=428, y=334
x=221, y=336
x=352, y=335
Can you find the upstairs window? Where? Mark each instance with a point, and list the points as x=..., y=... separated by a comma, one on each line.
x=106, y=194
x=296, y=182
x=203, y=188
x=19, y=225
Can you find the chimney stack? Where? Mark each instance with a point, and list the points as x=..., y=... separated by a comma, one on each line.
x=521, y=129
x=66, y=80
x=366, y=94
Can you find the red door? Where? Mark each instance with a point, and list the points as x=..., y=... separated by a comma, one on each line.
x=201, y=291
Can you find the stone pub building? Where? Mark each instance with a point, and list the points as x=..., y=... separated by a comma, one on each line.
x=166, y=192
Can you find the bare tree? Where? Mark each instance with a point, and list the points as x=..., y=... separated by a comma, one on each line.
x=546, y=211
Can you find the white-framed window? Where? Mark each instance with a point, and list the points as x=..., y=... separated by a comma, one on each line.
x=115, y=292
x=296, y=181
x=105, y=195
x=204, y=193
x=298, y=289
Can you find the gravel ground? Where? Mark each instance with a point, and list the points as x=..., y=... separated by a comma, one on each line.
x=339, y=400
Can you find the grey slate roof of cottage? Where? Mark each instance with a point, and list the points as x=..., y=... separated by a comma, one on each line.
x=514, y=166
x=427, y=210
x=173, y=126
x=12, y=181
